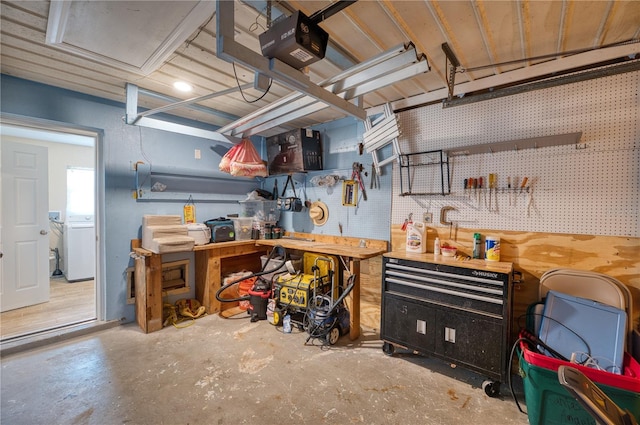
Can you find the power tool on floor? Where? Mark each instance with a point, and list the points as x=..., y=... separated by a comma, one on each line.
x=327, y=319
x=258, y=299
x=259, y=294
x=294, y=291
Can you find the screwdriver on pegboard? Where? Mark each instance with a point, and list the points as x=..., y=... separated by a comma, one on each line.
x=492, y=186
x=524, y=184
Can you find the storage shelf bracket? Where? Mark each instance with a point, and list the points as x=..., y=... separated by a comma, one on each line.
x=143, y=119
x=452, y=63
x=517, y=145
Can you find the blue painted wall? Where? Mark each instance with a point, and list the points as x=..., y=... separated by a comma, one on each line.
x=122, y=145
x=369, y=219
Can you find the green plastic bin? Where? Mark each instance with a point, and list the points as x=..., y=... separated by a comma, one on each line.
x=549, y=403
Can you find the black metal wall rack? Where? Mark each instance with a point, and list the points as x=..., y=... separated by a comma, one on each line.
x=436, y=158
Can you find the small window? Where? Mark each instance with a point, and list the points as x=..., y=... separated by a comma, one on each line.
x=80, y=191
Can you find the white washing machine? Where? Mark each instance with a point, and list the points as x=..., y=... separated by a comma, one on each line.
x=79, y=248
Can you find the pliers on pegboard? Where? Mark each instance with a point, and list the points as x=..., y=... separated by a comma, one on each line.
x=355, y=175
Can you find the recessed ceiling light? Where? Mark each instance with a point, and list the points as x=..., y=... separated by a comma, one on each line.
x=182, y=86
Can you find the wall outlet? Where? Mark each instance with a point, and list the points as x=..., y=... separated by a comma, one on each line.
x=427, y=217
x=197, y=154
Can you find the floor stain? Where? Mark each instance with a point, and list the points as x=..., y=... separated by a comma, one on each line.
x=83, y=417
x=386, y=389
x=210, y=378
x=240, y=333
x=249, y=364
x=452, y=394
x=466, y=402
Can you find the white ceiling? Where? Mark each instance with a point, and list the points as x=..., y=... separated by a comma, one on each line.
x=134, y=36
x=96, y=47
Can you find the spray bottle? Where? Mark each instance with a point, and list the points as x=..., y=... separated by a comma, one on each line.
x=476, y=245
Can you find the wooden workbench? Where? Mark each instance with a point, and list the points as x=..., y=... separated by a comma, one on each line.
x=209, y=272
x=348, y=249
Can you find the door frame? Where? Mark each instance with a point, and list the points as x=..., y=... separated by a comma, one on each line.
x=98, y=135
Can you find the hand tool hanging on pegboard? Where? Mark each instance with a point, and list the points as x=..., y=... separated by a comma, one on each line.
x=356, y=175
x=375, y=179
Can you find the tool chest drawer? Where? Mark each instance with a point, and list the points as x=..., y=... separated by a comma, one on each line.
x=474, y=290
x=459, y=314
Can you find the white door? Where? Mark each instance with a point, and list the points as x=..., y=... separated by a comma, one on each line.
x=24, y=240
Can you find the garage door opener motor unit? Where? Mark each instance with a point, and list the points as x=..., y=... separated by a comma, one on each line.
x=295, y=40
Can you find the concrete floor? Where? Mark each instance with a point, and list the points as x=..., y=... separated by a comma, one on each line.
x=232, y=371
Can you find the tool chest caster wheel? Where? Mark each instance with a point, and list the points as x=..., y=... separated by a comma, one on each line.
x=388, y=348
x=491, y=388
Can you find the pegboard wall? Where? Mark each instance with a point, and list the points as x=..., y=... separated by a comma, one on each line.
x=590, y=188
x=367, y=219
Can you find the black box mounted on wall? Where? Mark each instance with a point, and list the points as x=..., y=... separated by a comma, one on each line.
x=295, y=151
x=294, y=40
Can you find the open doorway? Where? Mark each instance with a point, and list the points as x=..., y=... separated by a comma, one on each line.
x=68, y=226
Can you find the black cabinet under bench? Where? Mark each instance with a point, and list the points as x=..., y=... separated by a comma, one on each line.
x=458, y=311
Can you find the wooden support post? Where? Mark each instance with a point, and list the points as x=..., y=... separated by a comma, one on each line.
x=154, y=293
x=354, y=301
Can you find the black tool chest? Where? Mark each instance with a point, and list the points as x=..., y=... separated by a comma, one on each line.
x=461, y=314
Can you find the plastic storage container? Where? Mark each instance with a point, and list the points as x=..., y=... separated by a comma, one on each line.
x=242, y=227
x=549, y=403
x=262, y=210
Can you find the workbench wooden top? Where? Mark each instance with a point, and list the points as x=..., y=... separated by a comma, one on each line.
x=494, y=266
x=249, y=243
x=324, y=248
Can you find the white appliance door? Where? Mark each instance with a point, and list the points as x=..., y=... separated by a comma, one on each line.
x=79, y=251
x=24, y=239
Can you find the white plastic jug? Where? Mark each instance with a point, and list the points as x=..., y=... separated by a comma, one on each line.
x=417, y=237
